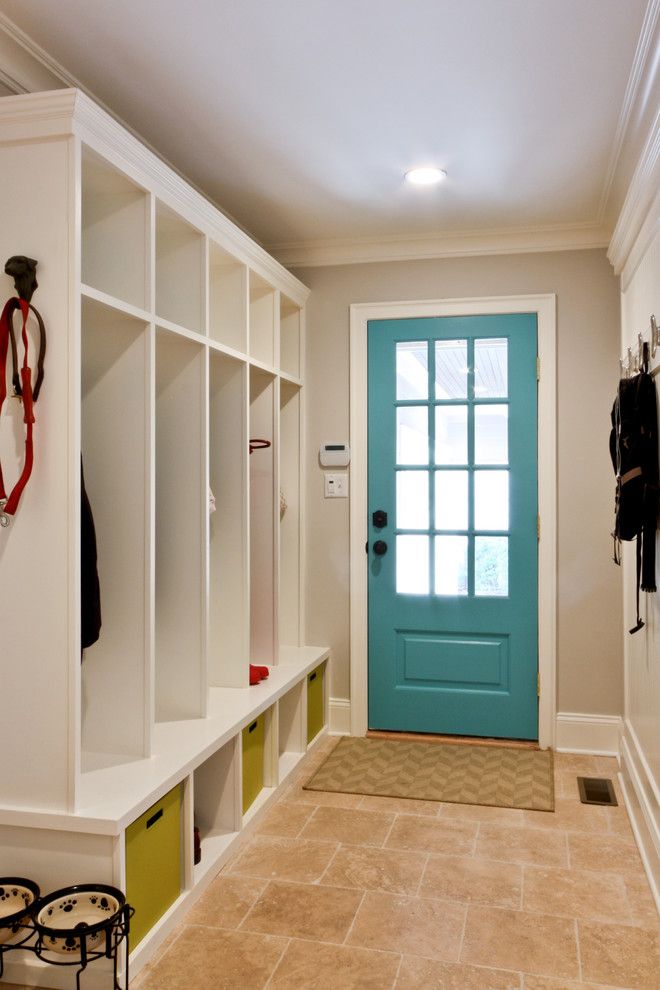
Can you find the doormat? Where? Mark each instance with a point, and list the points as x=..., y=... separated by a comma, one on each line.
x=459, y=774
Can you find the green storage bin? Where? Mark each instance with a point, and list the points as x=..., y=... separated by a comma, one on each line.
x=315, y=708
x=153, y=863
x=253, y=761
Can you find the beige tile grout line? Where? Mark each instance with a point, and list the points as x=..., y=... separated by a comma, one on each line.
x=398, y=970
x=350, y=929
x=422, y=875
x=465, y=919
x=277, y=964
x=332, y=859
x=476, y=841
x=577, y=946
x=389, y=831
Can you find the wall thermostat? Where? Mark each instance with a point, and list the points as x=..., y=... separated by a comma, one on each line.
x=335, y=455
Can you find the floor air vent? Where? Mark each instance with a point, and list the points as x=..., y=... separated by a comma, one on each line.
x=596, y=790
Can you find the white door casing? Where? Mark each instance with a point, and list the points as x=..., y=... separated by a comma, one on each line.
x=544, y=306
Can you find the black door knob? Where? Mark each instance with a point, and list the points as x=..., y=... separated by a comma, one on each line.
x=380, y=547
x=379, y=518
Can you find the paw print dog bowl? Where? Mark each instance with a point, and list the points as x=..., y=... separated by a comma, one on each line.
x=85, y=911
x=17, y=896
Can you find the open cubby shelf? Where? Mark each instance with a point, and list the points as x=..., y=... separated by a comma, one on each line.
x=175, y=340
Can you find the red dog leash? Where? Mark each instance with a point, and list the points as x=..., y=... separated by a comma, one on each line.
x=9, y=503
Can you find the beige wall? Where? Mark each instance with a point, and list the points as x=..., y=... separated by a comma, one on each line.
x=589, y=620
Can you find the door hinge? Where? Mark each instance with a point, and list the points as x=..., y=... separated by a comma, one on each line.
x=538, y=369
x=538, y=527
x=538, y=685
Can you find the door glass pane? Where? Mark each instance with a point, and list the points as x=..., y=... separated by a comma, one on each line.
x=490, y=368
x=451, y=565
x=491, y=499
x=451, y=370
x=412, y=369
x=451, y=434
x=412, y=435
x=451, y=500
x=412, y=500
x=412, y=565
x=491, y=434
x=491, y=565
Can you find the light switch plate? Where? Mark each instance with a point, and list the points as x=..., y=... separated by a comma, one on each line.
x=336, y=485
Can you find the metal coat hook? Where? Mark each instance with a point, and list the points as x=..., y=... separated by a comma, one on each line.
x=655, y=335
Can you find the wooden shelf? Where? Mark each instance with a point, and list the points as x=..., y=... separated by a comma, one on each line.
x=228, y=299
x=262, y=322
x=112, y=796
x=290, y=338
x=180, y=271
x=177, y=340
x=115, y=232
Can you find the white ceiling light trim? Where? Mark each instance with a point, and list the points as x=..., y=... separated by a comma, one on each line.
x=425, y=175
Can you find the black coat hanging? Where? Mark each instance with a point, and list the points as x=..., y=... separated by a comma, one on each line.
x=634, y=453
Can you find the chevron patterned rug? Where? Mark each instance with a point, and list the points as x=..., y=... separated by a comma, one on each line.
x=460, y=774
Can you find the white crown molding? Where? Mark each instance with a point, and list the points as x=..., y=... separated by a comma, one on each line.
x=458, y=244
x=38, y=55
x=40, y=72
x=65, y=112
x=639, y=217
x=638, y=82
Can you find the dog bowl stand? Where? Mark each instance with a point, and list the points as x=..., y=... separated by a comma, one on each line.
x=116, y=930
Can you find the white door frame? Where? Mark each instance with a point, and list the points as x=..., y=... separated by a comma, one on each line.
x=544, y=306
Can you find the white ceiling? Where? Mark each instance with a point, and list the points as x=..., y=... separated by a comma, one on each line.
x=299, y=117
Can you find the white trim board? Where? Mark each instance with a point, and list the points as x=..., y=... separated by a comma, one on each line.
x=544, y=306
x=446, y=244
x=642, y=801
x=597, y=735
x=340, y=717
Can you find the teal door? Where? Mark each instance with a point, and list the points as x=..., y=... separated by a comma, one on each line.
x=453, y=525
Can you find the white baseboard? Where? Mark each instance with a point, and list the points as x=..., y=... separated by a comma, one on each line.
x=642, y=799
x=598, y=735
x=576, y=732
x=340, y=717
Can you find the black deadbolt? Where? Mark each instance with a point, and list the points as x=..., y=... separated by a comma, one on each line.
x=380, y=547
x=379, y=519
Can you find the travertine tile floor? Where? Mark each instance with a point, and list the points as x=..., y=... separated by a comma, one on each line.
x=342, y=892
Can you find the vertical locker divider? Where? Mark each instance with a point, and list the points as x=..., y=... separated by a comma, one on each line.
x=187, y=833
x=150, y=525
x=276, y=517
x=271, y=756
x=204, y=536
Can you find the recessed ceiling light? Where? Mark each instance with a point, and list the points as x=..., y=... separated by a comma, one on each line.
x=426, y=176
